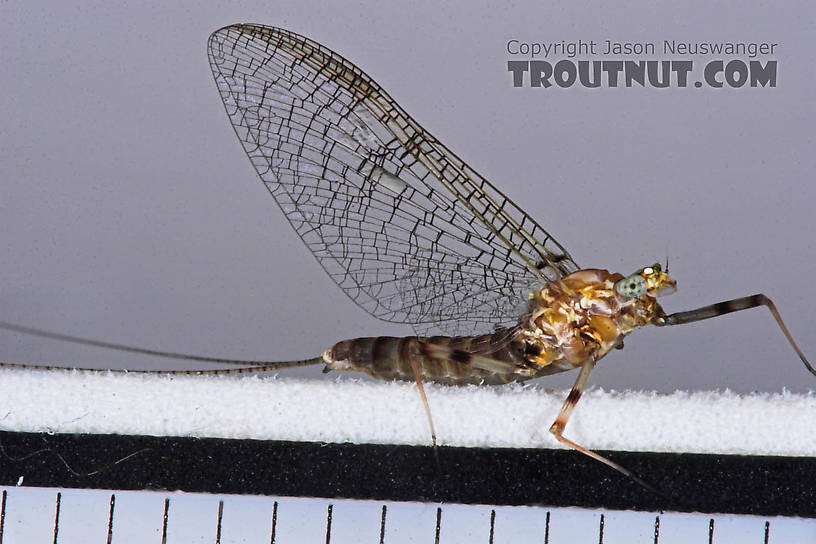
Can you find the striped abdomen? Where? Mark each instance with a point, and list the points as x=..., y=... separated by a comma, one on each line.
x=452, y=360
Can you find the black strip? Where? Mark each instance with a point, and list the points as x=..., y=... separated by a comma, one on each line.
x=690, y=482
x=492, y=526
x=711, y=531
x=460, y=356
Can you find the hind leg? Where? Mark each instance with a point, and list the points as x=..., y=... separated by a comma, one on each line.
x=418, y=378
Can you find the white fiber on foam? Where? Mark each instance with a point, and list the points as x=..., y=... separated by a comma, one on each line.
x=270, y=408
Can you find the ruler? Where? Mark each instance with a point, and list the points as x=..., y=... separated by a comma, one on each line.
x=30, y=515
x=57, y=488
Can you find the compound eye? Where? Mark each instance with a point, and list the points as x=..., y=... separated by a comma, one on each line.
x=633, y=286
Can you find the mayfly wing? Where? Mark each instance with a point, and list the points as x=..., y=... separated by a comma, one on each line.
x=409, y=231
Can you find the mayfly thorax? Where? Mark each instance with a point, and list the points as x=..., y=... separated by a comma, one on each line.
x=414, y=235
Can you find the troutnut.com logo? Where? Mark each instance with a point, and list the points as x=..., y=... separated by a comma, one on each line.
x=711, y=64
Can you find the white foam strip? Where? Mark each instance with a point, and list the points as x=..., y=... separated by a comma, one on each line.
x=270, y=408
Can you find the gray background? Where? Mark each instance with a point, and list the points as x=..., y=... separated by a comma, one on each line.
x=129, y=212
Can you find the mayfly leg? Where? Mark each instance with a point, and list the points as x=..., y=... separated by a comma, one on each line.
x=430, y=352
x=557, y=428
x=734, y=305
x=418, y=378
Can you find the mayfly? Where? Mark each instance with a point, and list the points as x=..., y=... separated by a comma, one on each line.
x=412, y=234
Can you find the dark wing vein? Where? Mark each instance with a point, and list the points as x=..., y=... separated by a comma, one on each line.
x=409, y=231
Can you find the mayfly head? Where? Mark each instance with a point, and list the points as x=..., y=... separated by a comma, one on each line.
x=649, y=280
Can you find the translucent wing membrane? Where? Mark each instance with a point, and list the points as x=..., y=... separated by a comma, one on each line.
x=410, y=232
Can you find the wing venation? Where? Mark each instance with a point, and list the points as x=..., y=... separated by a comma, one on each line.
x=409, y=231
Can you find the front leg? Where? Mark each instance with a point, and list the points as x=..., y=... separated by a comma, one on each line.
x=734, y=305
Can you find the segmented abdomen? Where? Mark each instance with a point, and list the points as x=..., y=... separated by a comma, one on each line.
x=441, y=359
